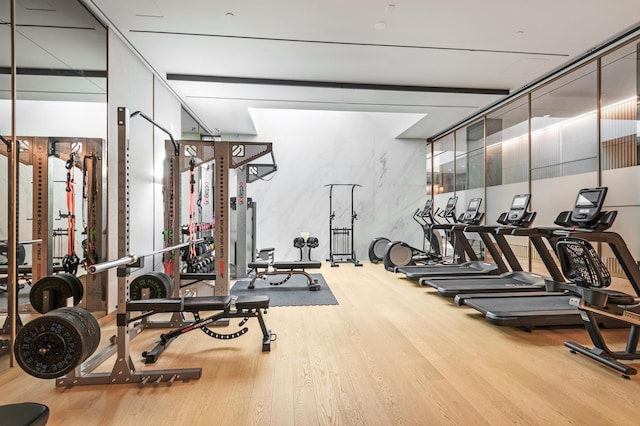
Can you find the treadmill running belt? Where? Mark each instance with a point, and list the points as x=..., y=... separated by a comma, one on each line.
x=528, y=311
x=450, y=288
x=440, y=270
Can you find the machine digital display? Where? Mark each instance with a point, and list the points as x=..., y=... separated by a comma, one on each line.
x=451, y=203
x=589, y=199
x=473, y=204
x=519, y=202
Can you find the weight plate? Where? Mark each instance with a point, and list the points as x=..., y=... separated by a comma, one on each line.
x=158, y=287
x=91, y=324
x=21, y=254
x=166, y=280
x=52, y=345
x=60, y=288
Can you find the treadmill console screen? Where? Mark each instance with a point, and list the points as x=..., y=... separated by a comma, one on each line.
x=588, y=204
x=519, y=202
x=428, y=204
x=518, y=207
x=451, y=204
x=472, y=208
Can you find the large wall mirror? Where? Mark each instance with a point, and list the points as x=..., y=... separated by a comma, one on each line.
x=61, y=120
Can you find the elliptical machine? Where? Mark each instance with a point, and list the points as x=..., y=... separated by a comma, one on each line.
x=398, y=254
x=431, y=242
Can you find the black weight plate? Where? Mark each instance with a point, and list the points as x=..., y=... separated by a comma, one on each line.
x=52, y=345
x=91, y=324
x=76, y=285
x=61, y=287
x=156, y=285
x=167, y=281
x=21, y=254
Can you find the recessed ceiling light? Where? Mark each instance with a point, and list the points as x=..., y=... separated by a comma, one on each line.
x=229, y=15
x=381, y=25
x=518, y=33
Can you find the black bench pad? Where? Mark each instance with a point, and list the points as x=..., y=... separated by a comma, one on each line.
x=252, y=302
x=26, y=413
x=259, y=264
x=197, y=304
x=188, y=304
x=298, y=264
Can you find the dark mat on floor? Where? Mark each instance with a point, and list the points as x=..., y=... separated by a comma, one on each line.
x=295, y=292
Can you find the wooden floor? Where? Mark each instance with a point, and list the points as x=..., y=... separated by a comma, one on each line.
x=391, y=353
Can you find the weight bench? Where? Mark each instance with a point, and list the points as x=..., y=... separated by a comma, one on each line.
x=227, y=307
x=295, y=267
x=24, y=413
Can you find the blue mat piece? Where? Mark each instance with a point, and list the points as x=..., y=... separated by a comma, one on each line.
x=294, y=292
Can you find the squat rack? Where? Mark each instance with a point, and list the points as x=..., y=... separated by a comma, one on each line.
x=342, y=238
x=227, y=155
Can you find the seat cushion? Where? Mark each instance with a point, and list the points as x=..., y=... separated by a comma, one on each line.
x=25, y=413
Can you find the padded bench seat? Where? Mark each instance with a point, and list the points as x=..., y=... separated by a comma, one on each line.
x=197, y=304
x=252, y=302
x=288, y=268
x=298, y=264
x=180, y=304
x=25, y=413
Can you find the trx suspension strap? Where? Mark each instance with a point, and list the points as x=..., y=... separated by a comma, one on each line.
x=89, y=244
x=192, y=213
x=70, y=261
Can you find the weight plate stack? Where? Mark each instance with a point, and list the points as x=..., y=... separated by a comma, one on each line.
x=60, y=287
x=159, y=285
x=54, y=344
x=90, y=323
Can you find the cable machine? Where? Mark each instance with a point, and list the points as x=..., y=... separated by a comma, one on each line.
x=341, y=247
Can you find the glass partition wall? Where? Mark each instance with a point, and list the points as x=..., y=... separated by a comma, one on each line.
x=576, y=129
x=620, y=143
x=508, y=166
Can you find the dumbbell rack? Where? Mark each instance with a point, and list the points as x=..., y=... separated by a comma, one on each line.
x=341, y=239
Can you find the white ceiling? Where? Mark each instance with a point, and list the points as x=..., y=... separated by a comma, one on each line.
x=455, y=46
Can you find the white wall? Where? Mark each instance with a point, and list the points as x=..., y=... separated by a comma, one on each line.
x=316, y=148
x=132, y=85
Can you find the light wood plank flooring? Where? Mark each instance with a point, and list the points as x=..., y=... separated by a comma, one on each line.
x=391, y=353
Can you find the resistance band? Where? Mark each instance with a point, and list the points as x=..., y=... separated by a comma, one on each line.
x=70, y=261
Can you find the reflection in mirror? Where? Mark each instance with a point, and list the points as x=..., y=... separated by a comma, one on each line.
x=61, y=110
x=5, y=131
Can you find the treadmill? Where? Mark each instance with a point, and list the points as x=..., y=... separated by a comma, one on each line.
x=474, y=266
x=517, y=280
x=552, y=308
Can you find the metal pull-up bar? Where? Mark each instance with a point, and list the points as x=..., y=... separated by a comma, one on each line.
x=176, y=147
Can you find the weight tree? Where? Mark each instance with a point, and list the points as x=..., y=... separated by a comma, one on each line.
x=341, y=247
